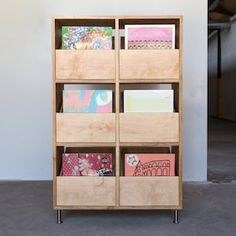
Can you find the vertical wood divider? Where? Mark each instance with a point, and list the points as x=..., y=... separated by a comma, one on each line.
x=117, y=95
x=180, y=109
x=53, y=97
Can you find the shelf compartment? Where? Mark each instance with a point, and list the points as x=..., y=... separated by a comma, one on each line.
x=149, y=191
x=85, y=65
x=86, y=191
x=149, y=64
x=149, y=127
x=85, y=128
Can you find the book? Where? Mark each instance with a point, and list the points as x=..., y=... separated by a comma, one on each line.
x=95, y=164
x=160, y=36
x=88, y=101
x=70, y=164
x=148, y=100
x=154, y=164
x=86, y=37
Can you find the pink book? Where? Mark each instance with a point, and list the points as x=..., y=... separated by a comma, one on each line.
x=95, y=164
x=150, y=36
x=70, y=164
x=155, y=164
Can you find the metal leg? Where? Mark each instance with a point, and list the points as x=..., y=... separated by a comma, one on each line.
x=176, y=217
x=59, y=221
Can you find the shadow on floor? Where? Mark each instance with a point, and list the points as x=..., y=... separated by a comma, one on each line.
x=221, y=151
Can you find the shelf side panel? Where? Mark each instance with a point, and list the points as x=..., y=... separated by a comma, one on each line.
x=85, y=191
x=149, y=191
x=149, y=127
x=85, y=64
x=85, y=128
x=149, y=64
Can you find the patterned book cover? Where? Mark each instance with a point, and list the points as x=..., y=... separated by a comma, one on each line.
x=148, y=100
x=155, y=164
x=95, y=164
x=86, y=37
x=70, y=164
x=149, y=36
x=90, y=101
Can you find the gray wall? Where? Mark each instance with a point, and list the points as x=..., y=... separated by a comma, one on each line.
x=228, y=73
x=25, y=72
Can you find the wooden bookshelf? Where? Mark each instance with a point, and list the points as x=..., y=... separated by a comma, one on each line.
x=116, y=131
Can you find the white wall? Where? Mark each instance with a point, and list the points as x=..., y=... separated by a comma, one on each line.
x=25, y=73
x=228, y=73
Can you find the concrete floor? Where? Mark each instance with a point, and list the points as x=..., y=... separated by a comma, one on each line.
x=209, y=208
x=221, y=151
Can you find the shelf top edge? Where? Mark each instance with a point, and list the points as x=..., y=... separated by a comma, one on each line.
x=116, y=17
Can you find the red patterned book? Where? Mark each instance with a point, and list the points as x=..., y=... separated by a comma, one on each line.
x=70, y=164
x=95, y=164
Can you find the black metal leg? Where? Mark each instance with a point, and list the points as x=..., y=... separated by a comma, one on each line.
x=59, y=221
x=176, y=217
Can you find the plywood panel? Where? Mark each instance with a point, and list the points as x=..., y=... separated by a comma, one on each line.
x=85, y=64
x=85, y=128
x=149, y=127
x=149, y=64
x=149, y=191
x=85, y=191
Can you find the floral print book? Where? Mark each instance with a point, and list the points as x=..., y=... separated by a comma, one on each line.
x=150, y=36
x=86, y=37
x=87, y=101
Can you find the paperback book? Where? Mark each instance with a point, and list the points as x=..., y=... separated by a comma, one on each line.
x=155, y=164
x=70, y=164
x=160, y=36
x=95, y=164
x=148, y=100
x=86, y=37
x=88, y=101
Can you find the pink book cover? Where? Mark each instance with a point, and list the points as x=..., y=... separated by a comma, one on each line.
x=88, y=101
x=150, y=36
x=70, y=164
x=155, y=164
x=95, y=164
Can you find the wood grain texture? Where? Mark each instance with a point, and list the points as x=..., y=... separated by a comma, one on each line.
x=85, y=128
x=149, y=191
x=149, y=64
x=149, y=127
x=85, y=64
x=86, y=191
x=181, y=112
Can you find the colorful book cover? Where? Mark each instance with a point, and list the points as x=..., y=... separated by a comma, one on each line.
x=95, y=164
x=148, y=100
x=70, y=164
x=86, y=37
x=91, y=101
x=149, y=36
x=155, y=164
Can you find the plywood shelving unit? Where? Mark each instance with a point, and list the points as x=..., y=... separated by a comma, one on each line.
x=116, y=131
